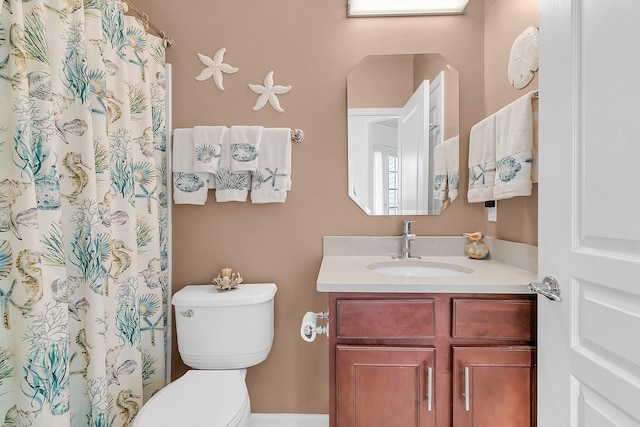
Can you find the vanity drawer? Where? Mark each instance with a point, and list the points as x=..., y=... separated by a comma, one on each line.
x=510, y=319
x=380, y=319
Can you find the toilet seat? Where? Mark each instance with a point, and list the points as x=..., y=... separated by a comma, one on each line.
x=198, y=399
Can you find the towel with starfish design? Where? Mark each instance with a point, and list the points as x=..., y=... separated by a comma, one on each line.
x=272, y=177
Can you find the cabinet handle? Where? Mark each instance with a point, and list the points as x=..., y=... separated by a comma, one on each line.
x=466, y=388
x=429, y=387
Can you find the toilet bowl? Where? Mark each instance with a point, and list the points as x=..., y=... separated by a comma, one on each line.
x=220, y=334
x=199, y=399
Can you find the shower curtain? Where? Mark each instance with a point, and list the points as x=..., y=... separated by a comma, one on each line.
x=83, y=214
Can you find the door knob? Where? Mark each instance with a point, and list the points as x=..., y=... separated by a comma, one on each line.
x=549, y=287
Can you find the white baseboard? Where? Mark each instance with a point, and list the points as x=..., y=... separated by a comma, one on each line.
x=289, y=420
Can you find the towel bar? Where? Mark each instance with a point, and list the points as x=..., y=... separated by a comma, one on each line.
x=297, y=135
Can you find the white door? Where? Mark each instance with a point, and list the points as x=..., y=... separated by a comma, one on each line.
x=589, y=216
x=413, y=151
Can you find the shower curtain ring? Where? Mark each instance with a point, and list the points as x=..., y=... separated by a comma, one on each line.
x=167, y=41
x=145, y=23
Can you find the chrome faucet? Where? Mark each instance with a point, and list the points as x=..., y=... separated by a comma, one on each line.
x=407, y=237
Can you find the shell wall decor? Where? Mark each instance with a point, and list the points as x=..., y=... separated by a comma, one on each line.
x=523, y=59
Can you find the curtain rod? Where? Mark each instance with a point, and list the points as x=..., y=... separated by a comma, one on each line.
x=166, y=39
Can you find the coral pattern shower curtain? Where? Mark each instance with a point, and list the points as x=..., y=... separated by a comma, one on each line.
x=83, y=214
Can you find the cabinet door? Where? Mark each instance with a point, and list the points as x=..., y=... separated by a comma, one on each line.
x=385, y=386
x=494, y=386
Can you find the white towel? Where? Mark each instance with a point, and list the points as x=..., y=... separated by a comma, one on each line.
x=439, y=172
x=452, y=153
x=514, y=142
x=188, y=187
x=207, y=146
x=230, y=186
x=182, y=150
x=272, y=178
x=245, y=147
x=482, y=160
x=446, y=168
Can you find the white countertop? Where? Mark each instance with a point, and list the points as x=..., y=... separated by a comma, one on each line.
x=509, y=268
x=345, y=261
x=350, y=274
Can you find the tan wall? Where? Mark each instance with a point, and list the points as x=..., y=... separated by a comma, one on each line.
x=427, y=67
x=504, y=21
x=383, y=81
x=452, y=106
x=312, y=46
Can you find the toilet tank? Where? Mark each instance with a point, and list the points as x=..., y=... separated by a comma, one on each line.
x=224, y=330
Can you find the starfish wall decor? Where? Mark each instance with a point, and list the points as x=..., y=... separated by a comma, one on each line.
x=269, y=93
x=215, y=68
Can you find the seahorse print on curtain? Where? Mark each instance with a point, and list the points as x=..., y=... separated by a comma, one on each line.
x=83, y=214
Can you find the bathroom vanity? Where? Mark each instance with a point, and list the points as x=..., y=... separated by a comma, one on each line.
x=437, y=341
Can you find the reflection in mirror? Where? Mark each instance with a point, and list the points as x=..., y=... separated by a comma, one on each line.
x=399, y=108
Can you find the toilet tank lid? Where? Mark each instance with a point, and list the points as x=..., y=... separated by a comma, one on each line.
x=208, y=295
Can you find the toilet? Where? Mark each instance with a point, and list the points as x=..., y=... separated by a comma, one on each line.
x=220, y=334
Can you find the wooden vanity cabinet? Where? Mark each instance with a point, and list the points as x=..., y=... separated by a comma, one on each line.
x=385, y=386
x=493, y=386
x=445, y=360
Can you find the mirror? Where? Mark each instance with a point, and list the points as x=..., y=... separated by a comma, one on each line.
x=400, y=107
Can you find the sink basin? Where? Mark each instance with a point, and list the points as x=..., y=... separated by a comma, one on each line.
x=417, y=268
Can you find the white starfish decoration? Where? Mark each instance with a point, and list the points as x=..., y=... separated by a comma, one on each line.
x=268, y=93
x=215, y=68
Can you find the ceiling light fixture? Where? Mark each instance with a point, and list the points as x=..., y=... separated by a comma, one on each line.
x=404, y=7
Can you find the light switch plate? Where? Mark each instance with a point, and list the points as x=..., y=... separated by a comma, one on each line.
x=492, y=213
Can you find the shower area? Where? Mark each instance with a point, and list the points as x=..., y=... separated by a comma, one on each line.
x=84, y=212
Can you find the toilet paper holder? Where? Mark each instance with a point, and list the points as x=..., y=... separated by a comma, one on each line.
x=324, y=315
x=310, y=328
x=319, y=330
